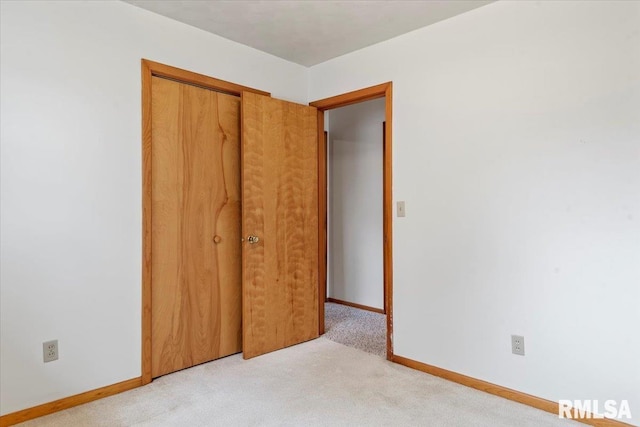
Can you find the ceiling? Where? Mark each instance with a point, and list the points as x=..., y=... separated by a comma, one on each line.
x=308, y=32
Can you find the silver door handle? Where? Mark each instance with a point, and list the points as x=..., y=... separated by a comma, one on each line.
x=253, y=239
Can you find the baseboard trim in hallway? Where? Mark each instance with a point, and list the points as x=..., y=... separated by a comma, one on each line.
x=507, y=393
x=353, y=304
x=68, y=402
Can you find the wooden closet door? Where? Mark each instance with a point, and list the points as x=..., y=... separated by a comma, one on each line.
x=196, y=240
x=280, y=208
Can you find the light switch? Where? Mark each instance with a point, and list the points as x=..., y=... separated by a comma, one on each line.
x=401, y=211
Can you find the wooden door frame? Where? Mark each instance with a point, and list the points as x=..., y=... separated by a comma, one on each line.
x=383, y=90
x=149, y=70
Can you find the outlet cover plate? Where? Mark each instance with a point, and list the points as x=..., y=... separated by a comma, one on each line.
x=517, y=345
x=50, y=351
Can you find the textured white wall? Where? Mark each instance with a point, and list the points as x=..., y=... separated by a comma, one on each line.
x=517, y=149
x=355, y=203
x=71, y=182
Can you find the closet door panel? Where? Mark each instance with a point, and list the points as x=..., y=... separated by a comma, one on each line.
x=280, y=211
x=196, y=272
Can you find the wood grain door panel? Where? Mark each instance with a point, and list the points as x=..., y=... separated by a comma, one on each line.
x=196, y=250
x=280, y=206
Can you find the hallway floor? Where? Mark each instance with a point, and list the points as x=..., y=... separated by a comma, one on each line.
x=361, y=329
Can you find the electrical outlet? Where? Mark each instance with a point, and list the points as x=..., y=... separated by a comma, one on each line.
x=50, y=351
x=517, y=345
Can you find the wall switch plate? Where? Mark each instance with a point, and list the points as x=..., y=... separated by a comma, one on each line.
x=517, y=345
x=50, y=351
x=401, y=210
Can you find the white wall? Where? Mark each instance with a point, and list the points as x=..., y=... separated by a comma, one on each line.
x=71, y=182
x=517, y=149
x=355, y=204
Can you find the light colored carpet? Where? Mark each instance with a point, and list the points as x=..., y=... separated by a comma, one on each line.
x=318, y=383
x=361, y=329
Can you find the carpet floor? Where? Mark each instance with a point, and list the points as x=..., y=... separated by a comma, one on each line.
x=361, y=329
x=317, y=383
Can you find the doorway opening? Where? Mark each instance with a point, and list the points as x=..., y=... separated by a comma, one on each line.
x=354, y=308
x=355, y=203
